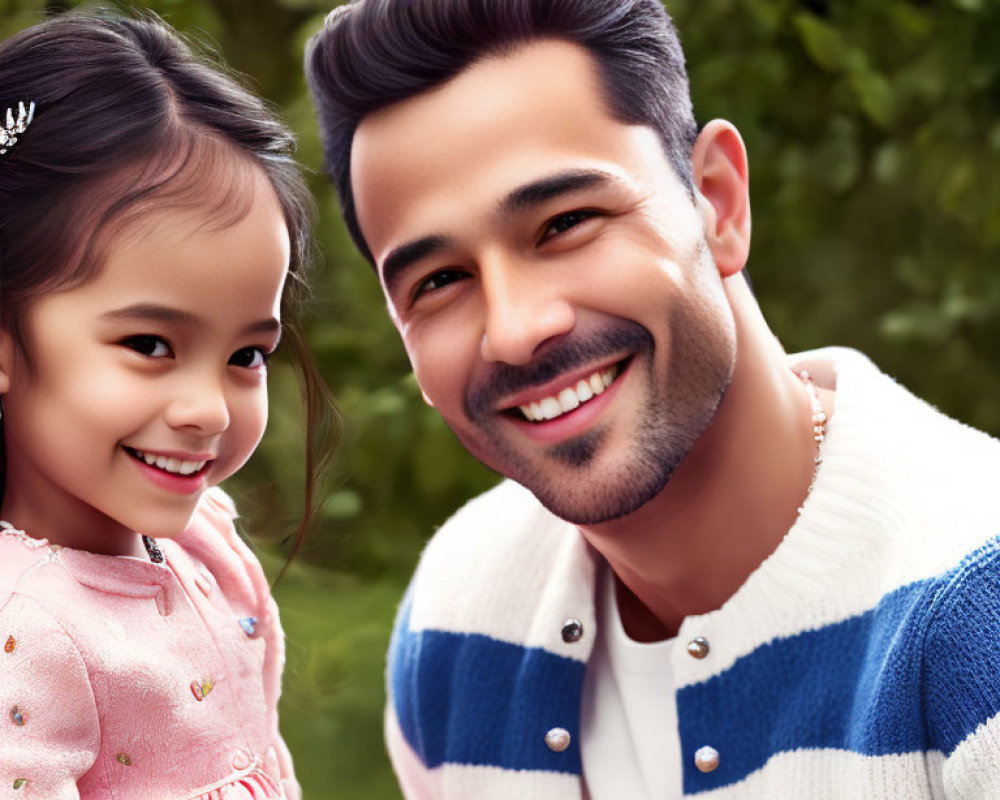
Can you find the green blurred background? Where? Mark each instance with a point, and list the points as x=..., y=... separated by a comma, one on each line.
x=874, y=144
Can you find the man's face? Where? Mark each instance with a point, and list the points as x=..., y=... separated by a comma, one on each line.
x=550, y=277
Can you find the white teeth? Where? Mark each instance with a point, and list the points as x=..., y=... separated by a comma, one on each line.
x=569, y=398
x=550, y=408
x=174, y=465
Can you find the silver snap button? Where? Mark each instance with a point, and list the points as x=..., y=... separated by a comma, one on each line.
x=557, y=739
x=706, y=759
x=572, y=631
x=698, y=647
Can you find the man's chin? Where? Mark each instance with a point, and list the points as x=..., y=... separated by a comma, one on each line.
x=596, y=500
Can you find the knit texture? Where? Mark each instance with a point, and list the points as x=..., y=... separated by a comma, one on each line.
x=860, y=661
x=140, y=681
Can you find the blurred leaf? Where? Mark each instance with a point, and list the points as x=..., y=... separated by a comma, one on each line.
x=823, y=42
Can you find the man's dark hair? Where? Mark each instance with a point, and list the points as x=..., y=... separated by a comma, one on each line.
x=373, y=53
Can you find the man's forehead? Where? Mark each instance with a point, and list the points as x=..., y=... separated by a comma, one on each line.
x=476, y=106
x=541, y=64
x=506, y=121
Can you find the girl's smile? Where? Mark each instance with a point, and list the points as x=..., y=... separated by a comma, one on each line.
x=182, y=473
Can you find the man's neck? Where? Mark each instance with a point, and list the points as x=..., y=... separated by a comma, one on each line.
x=725, y=509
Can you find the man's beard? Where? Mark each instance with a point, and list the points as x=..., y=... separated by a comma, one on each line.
x=678, y=408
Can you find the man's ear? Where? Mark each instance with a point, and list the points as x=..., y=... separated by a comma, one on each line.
x=719, y=167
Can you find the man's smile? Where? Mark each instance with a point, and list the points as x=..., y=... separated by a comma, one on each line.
x=571, y=397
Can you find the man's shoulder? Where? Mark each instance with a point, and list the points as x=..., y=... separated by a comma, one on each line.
x=889, y=449
x=499, y=561
x=503, y=531
x=961, y=652
x=479, y=635
x=508, y=508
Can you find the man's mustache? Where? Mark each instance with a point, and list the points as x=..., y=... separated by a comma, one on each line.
x=566, y=354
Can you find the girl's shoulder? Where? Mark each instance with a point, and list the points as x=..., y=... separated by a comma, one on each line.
x=214, y=551
x=20, y=555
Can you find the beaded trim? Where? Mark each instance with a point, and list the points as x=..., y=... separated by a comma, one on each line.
x=818, y=414
x=819, y=425
x=6, y=529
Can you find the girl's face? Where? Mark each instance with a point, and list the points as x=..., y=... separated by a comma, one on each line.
x=148, y=384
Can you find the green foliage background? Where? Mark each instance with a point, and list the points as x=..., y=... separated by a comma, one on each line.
x=874, y=145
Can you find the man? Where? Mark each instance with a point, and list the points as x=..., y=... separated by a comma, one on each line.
x=729, y=570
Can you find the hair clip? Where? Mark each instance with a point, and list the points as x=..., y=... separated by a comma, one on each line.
x=14, y=127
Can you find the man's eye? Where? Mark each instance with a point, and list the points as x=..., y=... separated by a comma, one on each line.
x=438, y=280
x=564, y=222
x=148, y=345
x=250, y=357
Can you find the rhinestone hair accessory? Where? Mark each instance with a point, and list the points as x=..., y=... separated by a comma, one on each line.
x=15, y=126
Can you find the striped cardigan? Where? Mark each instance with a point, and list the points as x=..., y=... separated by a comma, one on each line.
x=861, y=660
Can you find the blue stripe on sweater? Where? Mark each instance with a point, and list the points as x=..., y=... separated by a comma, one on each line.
x=471, y=699
x=851, y=685
x=883, y=682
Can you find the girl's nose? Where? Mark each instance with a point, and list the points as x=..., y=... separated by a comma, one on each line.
x=200, y=404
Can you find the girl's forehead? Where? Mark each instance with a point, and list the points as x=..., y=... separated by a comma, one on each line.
x=211, y=181
x=212, y=202
x=171, y=258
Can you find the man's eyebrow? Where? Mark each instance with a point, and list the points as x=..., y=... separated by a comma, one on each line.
x=545, y=189
x=404, y=255
x=523, y=197
x=154, y=312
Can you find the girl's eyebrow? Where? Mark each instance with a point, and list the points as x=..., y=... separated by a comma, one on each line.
x=153, y=312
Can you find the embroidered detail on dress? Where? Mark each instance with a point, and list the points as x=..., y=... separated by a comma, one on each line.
x=6, y=529
x=17, y=717
x=10, y=645
x=123, y=759
x=242, y=759
x=249, y=625
x=253, y=782
x=19, y=782
x=200, y=689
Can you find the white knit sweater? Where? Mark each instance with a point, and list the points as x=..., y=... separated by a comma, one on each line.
x=860, y=661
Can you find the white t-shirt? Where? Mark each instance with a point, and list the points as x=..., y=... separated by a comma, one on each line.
x=629, y=742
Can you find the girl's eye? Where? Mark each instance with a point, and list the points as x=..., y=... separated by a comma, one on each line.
x=438, y=280
x=250, y=358
x=564, y=222
x=148, y=345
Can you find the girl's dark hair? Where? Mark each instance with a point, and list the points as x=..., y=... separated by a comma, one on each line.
x=373, y=53
x=128, y=119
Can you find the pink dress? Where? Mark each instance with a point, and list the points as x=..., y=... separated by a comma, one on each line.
x=124, y=679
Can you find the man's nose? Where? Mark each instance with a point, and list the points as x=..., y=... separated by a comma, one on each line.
x=524, y=309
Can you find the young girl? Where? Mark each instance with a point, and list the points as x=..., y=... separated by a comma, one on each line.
x=153, y=242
